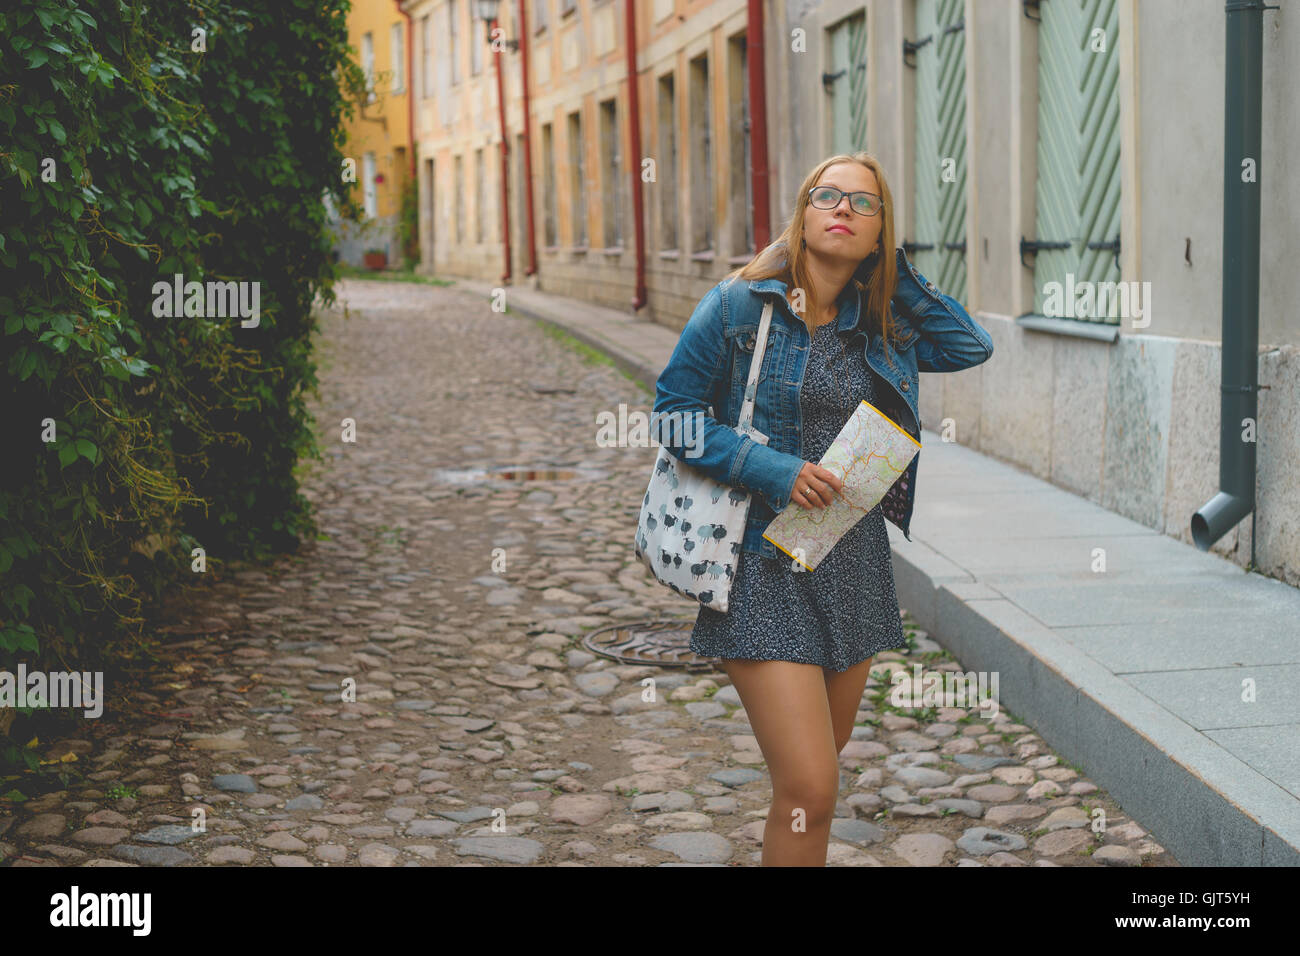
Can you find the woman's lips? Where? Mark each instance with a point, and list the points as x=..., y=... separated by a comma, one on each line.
x=843, y=229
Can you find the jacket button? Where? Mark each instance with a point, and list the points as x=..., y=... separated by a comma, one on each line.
x=905, y=385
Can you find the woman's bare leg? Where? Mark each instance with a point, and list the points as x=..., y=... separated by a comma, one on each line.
x=844, y=691
x=789, y=712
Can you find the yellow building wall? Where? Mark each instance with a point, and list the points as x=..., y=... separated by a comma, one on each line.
x=381, y=126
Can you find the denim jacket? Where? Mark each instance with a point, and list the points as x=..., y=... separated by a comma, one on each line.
x=709, y=368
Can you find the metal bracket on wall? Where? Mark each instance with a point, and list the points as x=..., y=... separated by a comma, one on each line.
x=910, y=47
x=956, y=246
x=1033, y=245
x=1113, y=245
x=956, y=27
x=1034, y=4
x=911, y=247
x=828, y=79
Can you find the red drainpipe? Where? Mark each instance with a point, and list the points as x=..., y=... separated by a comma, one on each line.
x=634, y=167
x=758, y=123
x=505, y=161
x=410, y=88
x=528, y=140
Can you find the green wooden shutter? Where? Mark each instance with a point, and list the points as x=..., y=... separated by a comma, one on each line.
x=1078, y=188
x=846, y=82
x=939, y=205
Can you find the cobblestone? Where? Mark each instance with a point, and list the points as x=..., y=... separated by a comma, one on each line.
x=482, y=732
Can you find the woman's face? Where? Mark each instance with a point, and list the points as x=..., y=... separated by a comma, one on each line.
x=843, y=233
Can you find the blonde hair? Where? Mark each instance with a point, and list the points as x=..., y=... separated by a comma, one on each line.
x=786, y=258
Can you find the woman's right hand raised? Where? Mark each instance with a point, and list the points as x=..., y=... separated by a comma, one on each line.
x=815, y=487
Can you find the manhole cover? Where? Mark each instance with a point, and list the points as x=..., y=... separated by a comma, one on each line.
x=462, y=476
x=664, y=643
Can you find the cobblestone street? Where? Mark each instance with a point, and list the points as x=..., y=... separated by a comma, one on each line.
x=482, y=732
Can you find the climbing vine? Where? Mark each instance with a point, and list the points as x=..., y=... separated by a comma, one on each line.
x=140, y=142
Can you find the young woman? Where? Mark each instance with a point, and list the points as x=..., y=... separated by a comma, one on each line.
x=852, y=320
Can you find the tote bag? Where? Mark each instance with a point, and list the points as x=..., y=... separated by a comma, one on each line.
x=691, y=527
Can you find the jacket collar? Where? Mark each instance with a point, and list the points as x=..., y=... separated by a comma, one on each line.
x=850, y=302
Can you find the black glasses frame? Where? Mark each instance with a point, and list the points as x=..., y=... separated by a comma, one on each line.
x=840, y=194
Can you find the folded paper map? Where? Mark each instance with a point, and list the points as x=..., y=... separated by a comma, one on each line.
x=868, y=455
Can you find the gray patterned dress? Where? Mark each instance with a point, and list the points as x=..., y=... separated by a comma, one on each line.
x=846, y=610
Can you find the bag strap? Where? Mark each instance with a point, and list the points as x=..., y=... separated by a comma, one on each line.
x=746, y=422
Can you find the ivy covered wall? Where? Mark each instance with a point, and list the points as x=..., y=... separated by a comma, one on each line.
x=140, y=142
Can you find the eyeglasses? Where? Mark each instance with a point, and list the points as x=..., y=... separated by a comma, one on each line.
x=828, y=197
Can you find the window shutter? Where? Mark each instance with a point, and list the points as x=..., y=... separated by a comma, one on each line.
x=939, y=202
x=1078, y=188
x=846, y=82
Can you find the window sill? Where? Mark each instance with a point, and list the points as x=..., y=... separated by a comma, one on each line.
x=740, y=260
x=673, y=254
x=706, y=255
x=613, y=250
x=1077, y=328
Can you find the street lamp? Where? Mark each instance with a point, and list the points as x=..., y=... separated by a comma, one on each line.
x=487, y=12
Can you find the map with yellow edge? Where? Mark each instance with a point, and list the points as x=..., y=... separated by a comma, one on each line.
x=868, y=455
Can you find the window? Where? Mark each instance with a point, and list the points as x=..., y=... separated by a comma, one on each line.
x=398, y=50
x=478, y=37
x=846, y=84
x=740, y=214
x=426, y=55
x=666, y=165
x=431, y=211
x=518, y=241
x=612, y=187
x=577, y=182
x=548, y=186
x=453, y=34
x=701, y=157
x=938, y=246
x=480, y=195
x=369, y=196
x=1078, y=190
x=368, y=65
x=541, y=14
x=460, y=199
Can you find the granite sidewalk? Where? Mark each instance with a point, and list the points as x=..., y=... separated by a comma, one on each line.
x=1141, y=675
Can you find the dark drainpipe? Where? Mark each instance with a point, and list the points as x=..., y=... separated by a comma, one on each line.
x=410, y=89
x=531, y=233
x=1243, y=82
x=756, y=43
x=505, y=155
x=634, y=167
